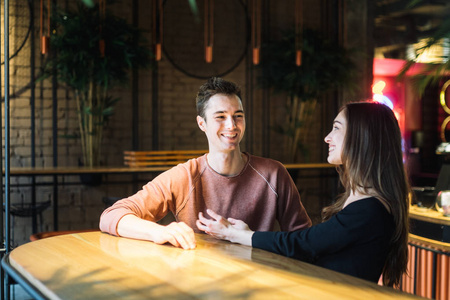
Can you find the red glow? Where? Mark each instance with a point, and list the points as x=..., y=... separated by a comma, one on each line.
x=388, y=90
x=392, y=67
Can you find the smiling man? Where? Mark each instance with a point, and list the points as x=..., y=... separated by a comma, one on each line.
x=232, y=183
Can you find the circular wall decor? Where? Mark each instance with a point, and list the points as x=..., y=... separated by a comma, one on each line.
x=19, y=26
x=443, y=100
x=184, y=36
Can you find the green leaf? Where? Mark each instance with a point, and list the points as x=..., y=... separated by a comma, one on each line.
x=194, y=9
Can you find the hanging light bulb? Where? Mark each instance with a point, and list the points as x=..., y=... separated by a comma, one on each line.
x=256, y=31
x=45, y=39
x=298, y=31
x=209, y=30
x=157, y=28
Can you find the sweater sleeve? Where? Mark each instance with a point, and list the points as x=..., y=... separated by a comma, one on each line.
x=152, y=202
x=338, y=232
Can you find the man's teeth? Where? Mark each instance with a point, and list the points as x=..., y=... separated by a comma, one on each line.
x=229, y=135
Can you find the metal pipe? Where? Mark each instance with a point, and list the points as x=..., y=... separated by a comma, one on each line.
x=55, y=131
x=7, y=141
x=33, y=120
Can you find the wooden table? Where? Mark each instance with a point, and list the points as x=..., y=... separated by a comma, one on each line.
x=96, y=265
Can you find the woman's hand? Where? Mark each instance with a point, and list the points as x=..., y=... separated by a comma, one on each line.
x=230, y=229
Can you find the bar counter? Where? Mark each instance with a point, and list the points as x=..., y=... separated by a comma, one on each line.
x=429, y=254
x=96, y=265
x=432, y=225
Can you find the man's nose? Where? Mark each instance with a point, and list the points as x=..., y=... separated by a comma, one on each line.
x=230, y=122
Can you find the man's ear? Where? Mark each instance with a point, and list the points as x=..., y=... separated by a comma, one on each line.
x=201, y=123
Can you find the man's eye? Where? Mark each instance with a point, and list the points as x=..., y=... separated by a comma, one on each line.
x=220, y=117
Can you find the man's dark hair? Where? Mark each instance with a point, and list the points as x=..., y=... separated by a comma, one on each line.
x=214, y=86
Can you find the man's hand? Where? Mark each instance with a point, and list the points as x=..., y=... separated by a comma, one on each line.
x=177, y=234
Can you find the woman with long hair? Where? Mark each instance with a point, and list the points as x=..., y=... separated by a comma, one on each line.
x=365, y=232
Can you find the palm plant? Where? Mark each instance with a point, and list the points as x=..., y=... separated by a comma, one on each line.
x=325, y=67
x=94, y=52
x=433, y=73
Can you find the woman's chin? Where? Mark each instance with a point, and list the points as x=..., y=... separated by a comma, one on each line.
x=333, y=161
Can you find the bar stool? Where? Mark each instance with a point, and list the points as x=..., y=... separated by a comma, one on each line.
x=26, y=210
x=108, y=201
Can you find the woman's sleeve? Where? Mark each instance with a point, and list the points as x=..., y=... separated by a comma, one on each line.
x=331, y=236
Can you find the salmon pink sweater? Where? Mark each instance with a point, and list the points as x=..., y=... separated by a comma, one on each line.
x=262, y=194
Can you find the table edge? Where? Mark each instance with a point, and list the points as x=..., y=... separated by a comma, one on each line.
x=20, y=279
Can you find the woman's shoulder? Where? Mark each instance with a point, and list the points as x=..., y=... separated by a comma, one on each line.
x=369, y=208
x=364, y=216
x=368, y=202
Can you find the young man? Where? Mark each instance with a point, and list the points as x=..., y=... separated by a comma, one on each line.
x=232, y=183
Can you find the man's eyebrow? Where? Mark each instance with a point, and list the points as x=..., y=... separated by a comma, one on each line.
x=223, y=111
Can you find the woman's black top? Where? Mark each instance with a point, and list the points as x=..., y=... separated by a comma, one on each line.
x=355, y=241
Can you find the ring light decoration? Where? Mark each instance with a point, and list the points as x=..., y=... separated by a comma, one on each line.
x=443, y=126
x=443, y=101
x=184, y=44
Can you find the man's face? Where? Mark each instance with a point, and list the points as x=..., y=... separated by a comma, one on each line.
x=224, y=123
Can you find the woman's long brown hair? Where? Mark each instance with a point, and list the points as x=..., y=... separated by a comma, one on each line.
x=372, y=158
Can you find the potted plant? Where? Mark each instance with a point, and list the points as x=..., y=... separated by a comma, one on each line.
x=433, y=72
x=93, y=52
x=437, y=35
x=325, y=67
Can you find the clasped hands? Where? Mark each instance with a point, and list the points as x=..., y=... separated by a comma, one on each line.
x=230, y=229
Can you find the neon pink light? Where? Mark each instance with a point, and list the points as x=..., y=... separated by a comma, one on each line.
x=378, y=96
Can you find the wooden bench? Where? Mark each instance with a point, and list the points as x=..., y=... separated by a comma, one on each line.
x=160, y=158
